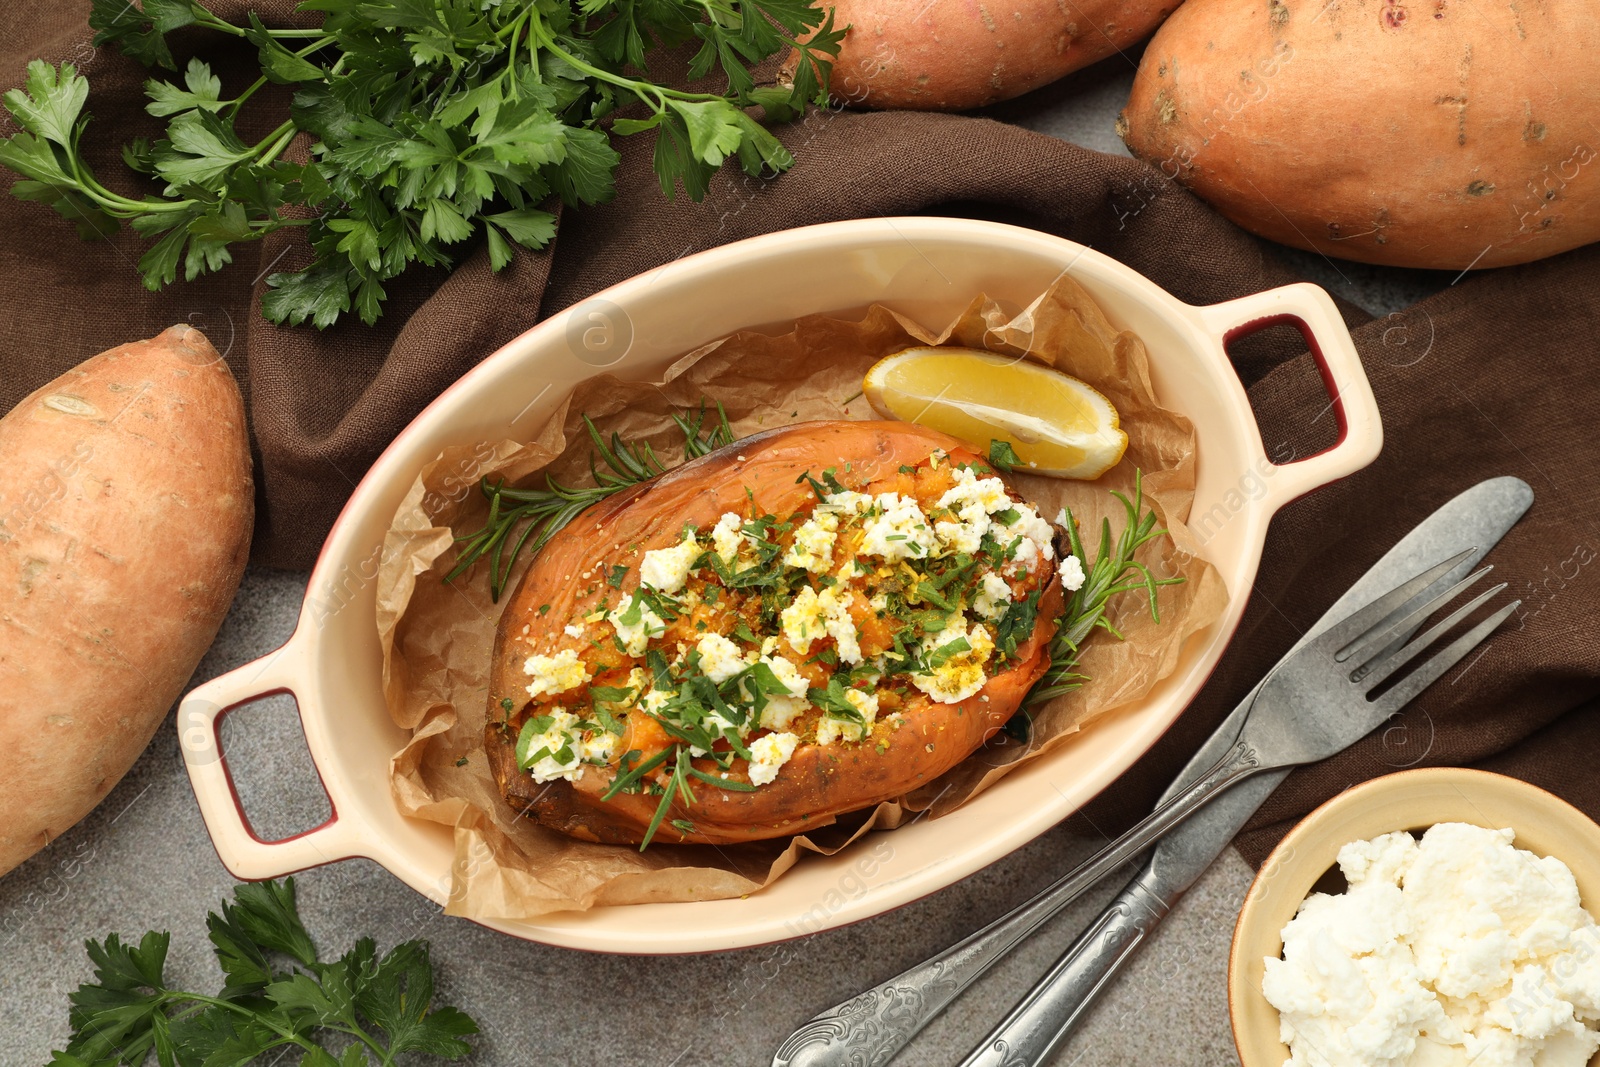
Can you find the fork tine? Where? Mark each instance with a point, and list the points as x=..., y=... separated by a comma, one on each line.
x=1374, y=671
x=1409, y=687
x=1342, y=634
x=1383, y=639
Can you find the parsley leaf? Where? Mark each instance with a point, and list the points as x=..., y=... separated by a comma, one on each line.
x=1003, y=457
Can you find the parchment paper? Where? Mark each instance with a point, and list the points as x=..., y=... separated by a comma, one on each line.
x=437, y=638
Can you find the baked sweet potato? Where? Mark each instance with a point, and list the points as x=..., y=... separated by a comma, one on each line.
x=1437, y=134
x=804, y=623
x=125, y=516
x=922, y=56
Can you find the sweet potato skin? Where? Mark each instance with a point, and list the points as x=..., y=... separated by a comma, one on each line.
x=125, y=520
x=819, y=781
x=921, y=56
x=1432, y=134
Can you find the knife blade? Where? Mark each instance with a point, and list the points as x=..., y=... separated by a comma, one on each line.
x=1474, y=522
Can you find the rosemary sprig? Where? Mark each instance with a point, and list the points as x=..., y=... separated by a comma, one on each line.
x=1114, y=571
x=526, y=519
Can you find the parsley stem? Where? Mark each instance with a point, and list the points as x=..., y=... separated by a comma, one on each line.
x=284, y=134
x=289, y=1036
x=385, y=1057
x=210, y=21
x=643, y=90
x=238, y=101
x=116, y=203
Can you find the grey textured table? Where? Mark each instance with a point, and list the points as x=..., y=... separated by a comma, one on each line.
x=143, y=861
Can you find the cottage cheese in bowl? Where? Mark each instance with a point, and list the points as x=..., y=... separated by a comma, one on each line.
x=1458, y=949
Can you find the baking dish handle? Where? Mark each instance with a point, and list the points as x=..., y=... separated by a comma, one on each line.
x=1350, y=398
x=243, y=853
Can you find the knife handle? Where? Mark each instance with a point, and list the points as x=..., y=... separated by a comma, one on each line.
x=1035, y=1028
x=873, y=1026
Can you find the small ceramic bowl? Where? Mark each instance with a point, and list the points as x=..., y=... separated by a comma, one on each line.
x=1410, y=800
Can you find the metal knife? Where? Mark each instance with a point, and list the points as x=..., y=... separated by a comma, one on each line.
x=862, y=1031
x=1476, y=519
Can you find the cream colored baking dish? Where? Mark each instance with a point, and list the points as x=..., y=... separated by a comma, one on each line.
x=927, y=268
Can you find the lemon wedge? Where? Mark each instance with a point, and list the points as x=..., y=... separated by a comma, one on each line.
x=1056, y=424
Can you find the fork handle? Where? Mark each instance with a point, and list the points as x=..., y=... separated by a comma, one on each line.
x=1036, y=1026
x=871, y=1027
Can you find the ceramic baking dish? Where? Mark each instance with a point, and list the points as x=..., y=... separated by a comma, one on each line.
x=927, y=268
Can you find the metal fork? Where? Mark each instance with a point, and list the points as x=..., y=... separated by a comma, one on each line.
x=1318, y=700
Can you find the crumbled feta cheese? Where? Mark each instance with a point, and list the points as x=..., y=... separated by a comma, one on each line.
x=598, y=746
x=572, y=629
x=830, y=729
x=635, y=635
x=639, y=681
x=810, y=617
x=847, y=503
x=813, y=544
x=835, y=605
x=962, y=536
x=667, y=569
x=782, y=708
x=654, y=700
x=787, y=674
x=899, y=531
x=975, y=501
x=1072, y=575
x=555, y=674
x=864, y=702
x=1460, y=949
x=973, y=497
x=1035, y=529
x=1061, y=517
x=994, y=593
x=803, y=621
x=1027, y=551
x=961, y=675
x=768, y=754
x=720, y=658
x=557, y=738
x=727, y=536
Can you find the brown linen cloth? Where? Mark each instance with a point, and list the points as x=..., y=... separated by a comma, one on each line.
x=1492, y=376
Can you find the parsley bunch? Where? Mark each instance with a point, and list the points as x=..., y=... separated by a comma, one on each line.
x=434, y=122
x=380, y=1006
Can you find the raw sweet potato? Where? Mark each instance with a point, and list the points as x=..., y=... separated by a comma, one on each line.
x=925, y=56
x=570, y=606
x=1418, y=133
x=125, y=517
